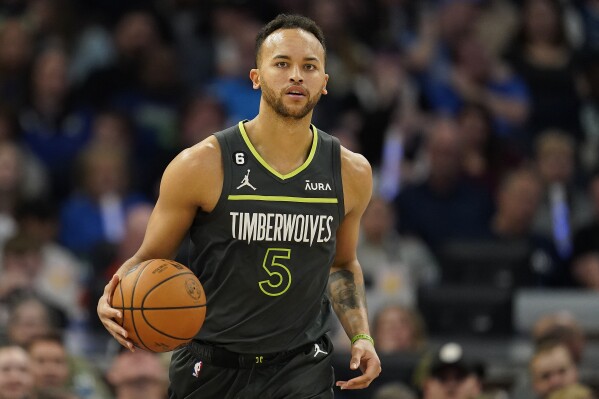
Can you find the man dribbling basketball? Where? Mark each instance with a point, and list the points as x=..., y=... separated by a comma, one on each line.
x=271, y=225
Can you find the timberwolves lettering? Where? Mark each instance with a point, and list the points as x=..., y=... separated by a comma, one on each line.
x=246, y=226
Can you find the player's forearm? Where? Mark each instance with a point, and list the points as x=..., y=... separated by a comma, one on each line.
x=128, y=264
x=348, y=298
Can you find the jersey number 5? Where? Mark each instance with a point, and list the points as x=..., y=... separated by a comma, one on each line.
x=279, y=276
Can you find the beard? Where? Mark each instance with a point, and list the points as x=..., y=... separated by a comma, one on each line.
x=286, y=112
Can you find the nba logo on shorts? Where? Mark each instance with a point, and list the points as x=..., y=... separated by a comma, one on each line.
x=196, y=369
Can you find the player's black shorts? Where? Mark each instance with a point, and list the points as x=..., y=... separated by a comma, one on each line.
x=197, y=372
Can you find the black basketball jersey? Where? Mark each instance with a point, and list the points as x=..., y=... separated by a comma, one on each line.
x=264, y=253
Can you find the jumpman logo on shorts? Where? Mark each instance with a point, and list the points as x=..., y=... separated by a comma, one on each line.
x=317, y=350
x=246, y=181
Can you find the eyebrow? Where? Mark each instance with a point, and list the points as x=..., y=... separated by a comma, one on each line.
x=286, y=57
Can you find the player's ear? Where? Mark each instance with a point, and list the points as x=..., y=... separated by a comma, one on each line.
x=326, y=80
x=255, y=78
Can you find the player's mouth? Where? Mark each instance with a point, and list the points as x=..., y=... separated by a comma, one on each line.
x=296, y=91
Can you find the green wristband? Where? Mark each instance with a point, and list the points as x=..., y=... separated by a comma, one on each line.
x=362, y=336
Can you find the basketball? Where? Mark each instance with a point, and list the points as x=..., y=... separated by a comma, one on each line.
x=163, y=304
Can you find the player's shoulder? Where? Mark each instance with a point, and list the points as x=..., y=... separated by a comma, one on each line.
x=201, y=161
x=356, y=174
x=355, y=165
x=201, y=156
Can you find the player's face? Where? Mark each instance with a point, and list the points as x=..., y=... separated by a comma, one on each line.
x=553, y=370
x=16, y=380
x=291, y=72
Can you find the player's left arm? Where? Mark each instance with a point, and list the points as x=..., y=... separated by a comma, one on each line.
x=346, y=282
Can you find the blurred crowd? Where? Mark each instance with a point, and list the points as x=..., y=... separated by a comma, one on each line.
x=480, y=119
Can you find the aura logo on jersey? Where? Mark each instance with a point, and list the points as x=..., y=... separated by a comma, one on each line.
x=257, y=226
x=312, y=186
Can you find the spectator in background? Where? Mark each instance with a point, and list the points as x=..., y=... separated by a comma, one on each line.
x=16, y=378
x=575, y=391
x=56, y=370
x=394, y=391
x=486, y=156
x=21, y=177
x=19, y=265
x=446, y=204
x=16, y=49
x=542, y=55
x=96, y=212
x=54, y=128
x=31, y=317
x=152, y=107
x=453, y=375
x=442, y=27
x=585, y=259
x=384, y=92
x=553, y=327
x=517, y=202
x=396, y=23
x=394, y=266
x=552, y=367
x=564, y=207
x=496, y=24
x=134, y=34
x=112, y=129
x=24, y=271
x=346, y=55
x=33, y=179
x=561, y=326
x=234, y=56
x=138, y=375
x=61, y=273
x=398, y=328
x=200, y=117
x=50, y=365
x=189, y=23
x=476, y=77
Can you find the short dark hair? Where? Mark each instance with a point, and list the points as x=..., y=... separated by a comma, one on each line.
x=289, y=21
x=53, y=335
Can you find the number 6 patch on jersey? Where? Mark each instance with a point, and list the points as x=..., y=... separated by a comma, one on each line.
x=239, y=157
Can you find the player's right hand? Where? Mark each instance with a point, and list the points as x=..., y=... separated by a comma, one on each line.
x=108, y=315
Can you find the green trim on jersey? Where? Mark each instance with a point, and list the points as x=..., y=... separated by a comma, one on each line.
x=267, y=166
x=279, y=198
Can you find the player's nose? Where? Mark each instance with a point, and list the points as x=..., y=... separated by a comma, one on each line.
x=296, y=74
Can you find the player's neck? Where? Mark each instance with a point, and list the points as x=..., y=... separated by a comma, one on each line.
x=283, y=143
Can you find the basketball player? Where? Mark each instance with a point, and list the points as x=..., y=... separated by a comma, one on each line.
x=273, y=207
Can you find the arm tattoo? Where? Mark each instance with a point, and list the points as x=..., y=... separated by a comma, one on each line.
x=344, y=292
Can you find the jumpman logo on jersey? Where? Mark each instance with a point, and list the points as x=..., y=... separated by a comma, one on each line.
x=246, y=182
x=317, y=350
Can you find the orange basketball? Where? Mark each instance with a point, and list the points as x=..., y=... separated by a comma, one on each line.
x=163, y=304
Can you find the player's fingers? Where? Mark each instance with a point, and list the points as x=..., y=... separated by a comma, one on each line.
x=126, y=343
x=105, y=311
x=111, y=286
x=119, y=333
x=356, y=357
x=113, y=327
x=360, y=382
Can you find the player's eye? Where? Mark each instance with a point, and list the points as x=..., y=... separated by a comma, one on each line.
x=281, y=64
x=310, y=67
